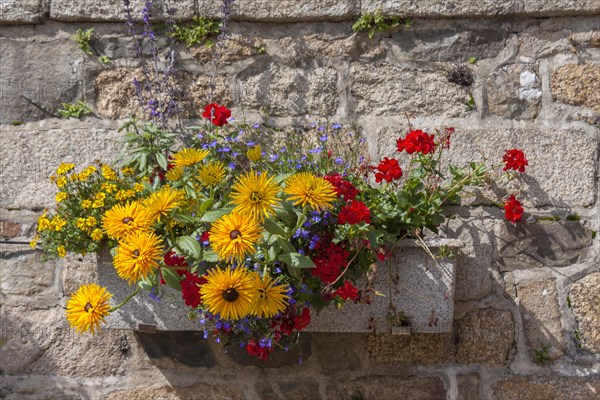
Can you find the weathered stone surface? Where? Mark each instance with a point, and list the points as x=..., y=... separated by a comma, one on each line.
x=384, y=89
x=195, y=392
x=485, y=337
x=467, y=8
x=541, y=316
x=546, y=387
x=288, y=10
x=187, y=348
x=585, y=302
x=541, y=243
x=9, y=229
x=299, y=389
x=468, y=387
x=77, y=271
x=291, y=91
x=514, y=91
x=577, y=84
x=21, y=12
x=24, y=182
x=388, y=388
x=337, y=353
x=114, y=10
x=25, y=280
x=41, y=342
x=40, y=387
x=116, y=98
x=31, y=81
x=235, y=48
x=423, y=349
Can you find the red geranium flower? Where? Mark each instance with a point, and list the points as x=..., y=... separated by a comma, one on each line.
x=513, y=210
x=389, y=170
x=301, y=321
x=347, y=291
x=343, y=188
x=190, y=289
x=329, y=262
x=255, y=349
x=514, y=159
x=416, y=142
x=354, y=213
x=216, y=114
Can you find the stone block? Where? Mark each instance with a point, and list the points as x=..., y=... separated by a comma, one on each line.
x=299, y=389
x=296, y=354
x=542, y=244
x=20, y=12
x=281, y=11
x=541, y=315
x=9, y=229
x=577, y=84
x=114, y=10
x=560, y=7
x=546, y=387
x=33, y=85
x=388, y=388
x=187, y=348
x=235, y=48
x=384, y=89
x=287, y=91
x=25, y=280
x=24, y=182
x=468, y=387
x=338, y=353
x=41, y=342
x=485, y=337
x=420, y=349
x=199, y=391
x=77, y=271
x=514, y=92
x=585, y=302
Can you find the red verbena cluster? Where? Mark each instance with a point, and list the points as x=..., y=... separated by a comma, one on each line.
x=216, y=114
x=190, y=289
x=514, y=159
x=513, y=210
x=416, y=142
x=353, y=213
x=388, y=170
x=329, y=262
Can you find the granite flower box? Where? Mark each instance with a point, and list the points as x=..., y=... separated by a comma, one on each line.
x=421, y=287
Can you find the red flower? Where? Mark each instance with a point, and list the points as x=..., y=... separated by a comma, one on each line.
x=190, y=289
x=343, y=188
x=354, y=213
x=255, y=349
x=389, y=170
x=301, y=321
x=513, y=210
x=416, y=142
x=448, y=132
x=216, y=114
x=514, y=159
x=172, y=259
x=347, y=291
x=329, y=262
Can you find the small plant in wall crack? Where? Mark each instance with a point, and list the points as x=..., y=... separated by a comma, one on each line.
x=460, y=74
x=83, y=38
x=200, y=31
x=377, y=22
x=471, y=103
x=74, y=110
x=542, y=353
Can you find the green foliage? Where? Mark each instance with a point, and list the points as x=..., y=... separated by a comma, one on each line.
x=198, y=32
x=549, y=218
x=82, y=38
x=573, y=217
x=542, y=353
x=104, y=59
x=377, y=22
x=471, y=103
x=74, y=110
x=472, y=60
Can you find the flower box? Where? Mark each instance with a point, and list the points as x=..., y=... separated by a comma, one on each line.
x=422, y=288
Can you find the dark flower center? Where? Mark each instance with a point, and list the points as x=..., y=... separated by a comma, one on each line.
x=230, y=295
x=127, y=220
x=88, y=305
x=234, y=234
x=136, y=253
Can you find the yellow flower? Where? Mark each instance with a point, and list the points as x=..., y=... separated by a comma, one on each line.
x=63, y=168
x=186, y=157
x=255, y=194
x=87, y=307
x=137, y=255
x=108, y=173
x=60, y=196
x=124, y=194
x=81, y=224
x=229, y=293
x=99, y=200
x=109, y=187
x=97, y=234
x=87, y=172
x=58, y=223
x=122, y=220
x=128, y=171
x=271, y=298
x=161, y=202
x=86, y=204
x=61, y=181
x=305, y=188
x=138, y=187
x=61, y=251
x=212, y=173
x=34, y=241
x=43, y=223
x=174, y=174
x=255, y=153
x=233, y=236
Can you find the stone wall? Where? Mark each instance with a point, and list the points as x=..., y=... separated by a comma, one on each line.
x=519, y=288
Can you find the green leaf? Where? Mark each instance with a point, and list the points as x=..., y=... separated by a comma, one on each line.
x=297, y=260
x=189, y=246
x=206, y=205
x=185, y=218
x=273, y=228
x=171, y=277
x=161, y=160
x=285, y=245
x=210, y=256
x=214, y=215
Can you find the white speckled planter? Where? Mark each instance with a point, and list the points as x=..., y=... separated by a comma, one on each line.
x=423, y=288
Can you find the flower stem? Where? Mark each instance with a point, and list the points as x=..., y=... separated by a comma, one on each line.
x=136, y=291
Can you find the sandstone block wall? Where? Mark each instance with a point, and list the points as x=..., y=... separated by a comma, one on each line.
x=521, y=290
